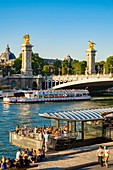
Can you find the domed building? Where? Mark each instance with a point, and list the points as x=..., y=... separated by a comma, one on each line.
x=7, y=57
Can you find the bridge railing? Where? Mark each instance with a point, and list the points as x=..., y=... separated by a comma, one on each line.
x=80, y=77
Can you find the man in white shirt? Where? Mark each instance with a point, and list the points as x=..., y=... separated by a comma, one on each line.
x=100, y=153
x=18, y=154
x=46, y=138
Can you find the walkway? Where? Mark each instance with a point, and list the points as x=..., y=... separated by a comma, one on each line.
x=74, y=159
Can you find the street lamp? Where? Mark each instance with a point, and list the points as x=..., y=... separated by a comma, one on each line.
x=67, y=70
x=110, y=70
x=59, y=69
x=98, y=68
x=86, y=72
x=39, y=69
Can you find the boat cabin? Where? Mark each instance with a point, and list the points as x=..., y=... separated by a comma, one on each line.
x=70, y=129
x=81, y=127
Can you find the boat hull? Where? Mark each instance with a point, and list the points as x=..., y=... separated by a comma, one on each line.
x=42, y=100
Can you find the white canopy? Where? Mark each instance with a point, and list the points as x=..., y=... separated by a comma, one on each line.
x=79, y=115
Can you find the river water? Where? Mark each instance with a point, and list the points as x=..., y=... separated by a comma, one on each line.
x=20, y=114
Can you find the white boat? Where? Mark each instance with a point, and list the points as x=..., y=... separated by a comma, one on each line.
x=7, y=92
x=48, y=96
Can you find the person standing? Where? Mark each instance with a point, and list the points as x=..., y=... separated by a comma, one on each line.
x=46, y=138
x=100, y=153
x=106, y=155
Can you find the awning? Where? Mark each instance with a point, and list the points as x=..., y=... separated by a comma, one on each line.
x=79, y=115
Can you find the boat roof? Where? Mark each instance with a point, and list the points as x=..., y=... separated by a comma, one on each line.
x=79, y=115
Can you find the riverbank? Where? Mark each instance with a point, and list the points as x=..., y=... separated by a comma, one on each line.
x=73, y=158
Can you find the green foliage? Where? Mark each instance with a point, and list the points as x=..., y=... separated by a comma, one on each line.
x=64, y=70
x=17, y=64
x=46, y=70
x=37, y=64
x=108, y=64
x=64, y=63
x=73, y=63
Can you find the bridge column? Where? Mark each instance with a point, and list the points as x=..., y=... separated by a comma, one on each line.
x=91, y=52
x=26, y=57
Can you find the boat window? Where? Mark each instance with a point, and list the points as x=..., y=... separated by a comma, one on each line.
x=92, y=129
x=78, y=94
x=79, y=130
x=73, y=126
x=53, y=123
x=62, y=124
x=84, y=94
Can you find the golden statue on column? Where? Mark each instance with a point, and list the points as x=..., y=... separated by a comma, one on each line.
x=91, y=45
x=26, y=39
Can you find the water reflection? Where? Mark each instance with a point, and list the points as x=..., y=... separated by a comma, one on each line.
x=5, y=108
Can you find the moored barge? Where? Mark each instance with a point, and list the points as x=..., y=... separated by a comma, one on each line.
x=82, y=127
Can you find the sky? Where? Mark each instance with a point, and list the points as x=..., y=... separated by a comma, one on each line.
x=58, y=28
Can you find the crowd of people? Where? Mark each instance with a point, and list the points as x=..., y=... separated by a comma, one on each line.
x=23, y=158
x=103, y=155
x=38, y=132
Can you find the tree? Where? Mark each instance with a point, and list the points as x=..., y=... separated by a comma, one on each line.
x=108, y=64
x=17, y=64
x=100, y=67
x=56, y=66
x=37, y=64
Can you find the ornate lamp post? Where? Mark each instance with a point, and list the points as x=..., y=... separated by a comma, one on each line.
x=59, y=69
x=39, y=69
x=67, y=70
x=86, y=72
x=98, y=68
x=110, y=74
x=76, y=72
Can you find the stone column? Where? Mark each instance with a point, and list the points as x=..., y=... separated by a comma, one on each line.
x=91, y=52
x=26, y=57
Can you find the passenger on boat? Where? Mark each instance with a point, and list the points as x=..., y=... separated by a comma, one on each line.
x=46, y=139
x=17, y=129
x=35, y=129
x=40, y=136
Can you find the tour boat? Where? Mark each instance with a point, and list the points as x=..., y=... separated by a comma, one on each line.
x=48, y=96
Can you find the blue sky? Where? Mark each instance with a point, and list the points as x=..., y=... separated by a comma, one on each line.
x=58, y=27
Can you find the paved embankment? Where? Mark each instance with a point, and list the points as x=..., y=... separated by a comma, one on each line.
x=73, y=159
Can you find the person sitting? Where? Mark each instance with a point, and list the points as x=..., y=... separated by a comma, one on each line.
x=30, y=154
x=9, y=163
x=42, y=154
x=3, y=163
x=25, y=159
x=39, y=155
x=34, y=157
x=19, y=162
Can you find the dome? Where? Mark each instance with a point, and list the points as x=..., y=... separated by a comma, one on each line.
x=12, y=56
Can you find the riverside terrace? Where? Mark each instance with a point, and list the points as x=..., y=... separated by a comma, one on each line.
x=71, y=129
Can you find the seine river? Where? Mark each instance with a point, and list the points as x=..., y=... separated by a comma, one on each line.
x=20, y=114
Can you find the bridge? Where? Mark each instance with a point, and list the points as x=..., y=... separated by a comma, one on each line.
x=93, y=82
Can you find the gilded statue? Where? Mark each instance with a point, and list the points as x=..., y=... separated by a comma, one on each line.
x=26, y=39
x=91, y=45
